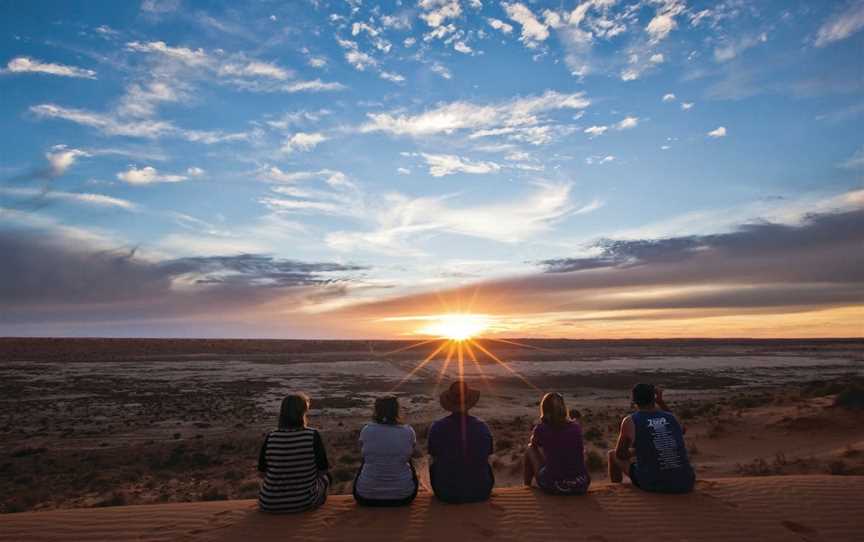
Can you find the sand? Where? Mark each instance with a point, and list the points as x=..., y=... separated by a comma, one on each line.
x=781, y=508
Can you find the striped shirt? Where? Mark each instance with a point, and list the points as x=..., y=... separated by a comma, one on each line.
x=294, y=464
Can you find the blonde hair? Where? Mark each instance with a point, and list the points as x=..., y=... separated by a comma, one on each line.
x=553, y=410
x=292, y=413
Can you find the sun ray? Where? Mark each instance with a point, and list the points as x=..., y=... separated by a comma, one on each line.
x=486, y=383
x=445, y=365
x=410, y=346
x=503, y=364
x=420, y=366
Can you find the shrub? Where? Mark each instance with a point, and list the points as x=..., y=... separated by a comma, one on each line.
x=594, y=434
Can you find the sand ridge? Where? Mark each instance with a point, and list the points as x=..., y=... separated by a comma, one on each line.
x=782, y=508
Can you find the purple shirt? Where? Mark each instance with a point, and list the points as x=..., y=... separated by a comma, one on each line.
x=562, y=446
x=460, y=447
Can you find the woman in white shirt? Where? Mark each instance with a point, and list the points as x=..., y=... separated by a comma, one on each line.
x=386, y=476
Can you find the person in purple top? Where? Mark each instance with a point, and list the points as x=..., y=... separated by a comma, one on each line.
x=460, y=446
x=556, y=455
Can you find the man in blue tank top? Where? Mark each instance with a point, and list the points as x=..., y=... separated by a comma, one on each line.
x=650, y=449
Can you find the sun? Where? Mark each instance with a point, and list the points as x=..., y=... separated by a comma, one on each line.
x=456, y=326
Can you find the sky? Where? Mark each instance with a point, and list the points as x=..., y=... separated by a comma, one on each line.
x=353, y=169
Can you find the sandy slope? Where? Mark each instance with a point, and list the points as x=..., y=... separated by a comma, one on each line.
x=809, y=508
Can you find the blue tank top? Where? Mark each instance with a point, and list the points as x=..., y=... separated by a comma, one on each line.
x=661, y=456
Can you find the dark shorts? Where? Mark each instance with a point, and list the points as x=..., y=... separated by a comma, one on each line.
x=684, y=485
x=460, y=495
x=576, y=486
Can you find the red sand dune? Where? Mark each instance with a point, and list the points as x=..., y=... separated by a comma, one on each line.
x=781, y=508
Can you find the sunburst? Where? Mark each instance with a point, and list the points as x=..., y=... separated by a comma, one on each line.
x=460, y=335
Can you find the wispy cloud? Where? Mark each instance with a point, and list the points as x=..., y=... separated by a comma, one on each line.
x=448, y=164
x=23, y=64
x=841, y=25
x=149, y=175
x=514, y=118
x=720, y=131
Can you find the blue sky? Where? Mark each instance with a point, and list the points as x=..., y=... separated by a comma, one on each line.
x=318, y=168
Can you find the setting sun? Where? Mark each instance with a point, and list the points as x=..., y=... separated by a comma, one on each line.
x=456, y=327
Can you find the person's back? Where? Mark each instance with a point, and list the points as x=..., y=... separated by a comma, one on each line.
x=386, y=474
x=293, y=462
x=661, y=463
x=460, y=446
x=564, y=452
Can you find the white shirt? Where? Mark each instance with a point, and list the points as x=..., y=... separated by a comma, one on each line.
x=386, y=472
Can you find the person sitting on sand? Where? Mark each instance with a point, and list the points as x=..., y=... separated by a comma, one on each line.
x=293, y=462
x=460, y=446
x=556, y=455
x=386, y=476
x=660, y=462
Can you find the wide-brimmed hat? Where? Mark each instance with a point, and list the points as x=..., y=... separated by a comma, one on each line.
x=459, y=397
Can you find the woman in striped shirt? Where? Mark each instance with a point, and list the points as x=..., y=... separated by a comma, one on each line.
x=293, y=462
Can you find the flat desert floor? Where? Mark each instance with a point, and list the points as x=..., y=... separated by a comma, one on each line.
x=91, y=423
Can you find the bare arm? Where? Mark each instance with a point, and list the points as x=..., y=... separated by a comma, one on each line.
x=658, y=393
x=658, y=397
x=626, y=438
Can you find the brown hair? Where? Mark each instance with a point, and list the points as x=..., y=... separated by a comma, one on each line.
x=386, y=410
x=553, y=411
x=292, y=413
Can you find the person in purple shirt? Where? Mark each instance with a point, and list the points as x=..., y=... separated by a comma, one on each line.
x=460, y=446
x=556, y=455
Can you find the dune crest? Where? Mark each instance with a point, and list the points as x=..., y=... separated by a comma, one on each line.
x=781, y=508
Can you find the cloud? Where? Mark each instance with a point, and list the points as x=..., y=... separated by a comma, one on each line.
x=498, y=24
x=669, y=97
x=303, y=141
x=315, y=85
x=594, y=131
x=441, y=70
x=448, y=164
x=60, y=158
x=686, y=106
x=591, y=160
x=357, y=58
x=515, y=118
x=190, y=57
x=105, y=123
x=255, y=69
x=98, y=200
x=148, y=175
x=841, y=25
x=141, y=100
x=718, y=132
x=403, y=171
x=392, y=77
x=23, y=64
x=748, y=275
x=46, y=278
x=664, y=20
x=627, y=123
x=149, y=129
x=533, y=31
x=400, y=218
x=732, y=49
x=436, y=12
x=195, y=172
x=856, y=161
